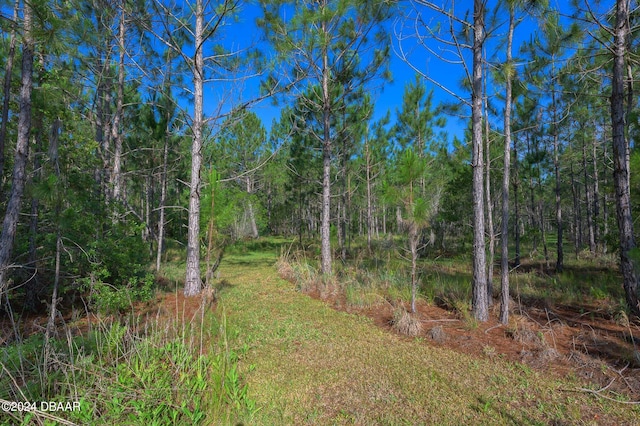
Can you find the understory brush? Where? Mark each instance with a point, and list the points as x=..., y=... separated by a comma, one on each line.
x=147, y=370
x=376, y=278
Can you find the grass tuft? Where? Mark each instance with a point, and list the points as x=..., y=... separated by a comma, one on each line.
x=406, y=323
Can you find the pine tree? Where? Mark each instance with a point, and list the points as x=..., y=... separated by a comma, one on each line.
x=336, y=48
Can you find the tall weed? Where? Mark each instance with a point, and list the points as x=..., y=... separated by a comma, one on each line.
x=167, y=372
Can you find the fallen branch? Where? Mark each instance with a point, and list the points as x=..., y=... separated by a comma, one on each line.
x=491, y=328
x=599, y=394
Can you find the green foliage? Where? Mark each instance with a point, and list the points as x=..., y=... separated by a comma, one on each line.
x=130, y=376
x=107, y=298
x=417, y=121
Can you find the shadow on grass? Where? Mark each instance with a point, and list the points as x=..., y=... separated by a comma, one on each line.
x=247, y=261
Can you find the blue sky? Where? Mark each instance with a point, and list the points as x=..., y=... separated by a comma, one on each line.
x=388, y=96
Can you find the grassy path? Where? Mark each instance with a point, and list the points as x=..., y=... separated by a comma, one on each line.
x=305, y=363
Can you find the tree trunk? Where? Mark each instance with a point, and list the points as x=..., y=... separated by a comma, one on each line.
x=533, y=221
x=414, y=237
x=49, y=331
x=270, y=229
x=252, y=216
x=489, y=202
x=8, y=70
x=543, y=232
x=576, y=211
x=504, y=235
x=116, y=131
x=10, y=222
x=53, y=309
x=621, y=159
x=32, y=287
x=342, y=207
x=587, y=188
x=193, y=282
x=384, y=221
x=325, y=227
x=556, y=169
x=479, y=302
x=516, y=201
x=163, y=190
x=596, y=194
x=252, y=221
x=369, y=203
x=605, y=203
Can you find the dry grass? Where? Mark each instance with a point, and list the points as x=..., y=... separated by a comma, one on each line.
x=406, y=323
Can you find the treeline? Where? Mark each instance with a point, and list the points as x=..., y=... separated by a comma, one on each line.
x=126, y=129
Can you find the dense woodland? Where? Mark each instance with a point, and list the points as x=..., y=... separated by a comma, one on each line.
x=129, y=127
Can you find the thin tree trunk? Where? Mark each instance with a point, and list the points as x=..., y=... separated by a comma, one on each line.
x=367, y=157
x=342, y=207
x=413, y=247
x=252, y=216
x=53, y=158
x=504, y=235
x=479, y=303
x=54, y=304
x=556, y=169
x=10, y=222
x=384, y=221
x=163, y=199
x=116, y=132
x=516, y=201
x=211, y=229
x=596, y=195
x=533, y=221
x=32, y=286
x=8, y=70
x=605, y=203
x=193, y=282
x=300, y=216
x=587, y=188
x=576, y=210
x=621, y=159
x=270, y=229
x=489, y=203
x=325, y=227
x=543, y=234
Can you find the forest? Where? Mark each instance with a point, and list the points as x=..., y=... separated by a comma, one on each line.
x=208, y=207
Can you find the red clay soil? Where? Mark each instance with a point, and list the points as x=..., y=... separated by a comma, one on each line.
x=558, y=339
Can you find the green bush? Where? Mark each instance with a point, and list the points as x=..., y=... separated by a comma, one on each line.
x=109, y=299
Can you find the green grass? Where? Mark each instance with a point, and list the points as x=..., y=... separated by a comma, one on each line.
x=165, y=371
x=309, y=364
x=277, y=356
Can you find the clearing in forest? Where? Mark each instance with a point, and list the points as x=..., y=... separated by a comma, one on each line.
x=306, y=363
